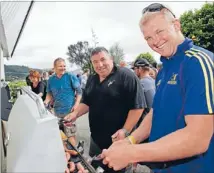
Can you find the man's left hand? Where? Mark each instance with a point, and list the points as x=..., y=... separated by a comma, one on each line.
x=115, y=157
x=119, y=135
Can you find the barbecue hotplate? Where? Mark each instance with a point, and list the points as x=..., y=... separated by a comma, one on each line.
x=95, y=166
x=79, y=159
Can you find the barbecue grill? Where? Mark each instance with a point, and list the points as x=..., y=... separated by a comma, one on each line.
x=34, y=140
x=35, y=143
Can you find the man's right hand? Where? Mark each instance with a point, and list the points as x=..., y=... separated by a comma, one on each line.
x=71, y=116
x=46, y=104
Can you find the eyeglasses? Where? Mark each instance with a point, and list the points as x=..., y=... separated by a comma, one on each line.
x=156, y=7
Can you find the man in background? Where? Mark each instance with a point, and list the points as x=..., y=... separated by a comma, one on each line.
x=142, y=69
x=62, y=88
x=84, y=79
x=27, y=79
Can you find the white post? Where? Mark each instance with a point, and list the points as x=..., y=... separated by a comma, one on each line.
x=2, y=65
x=2, y=165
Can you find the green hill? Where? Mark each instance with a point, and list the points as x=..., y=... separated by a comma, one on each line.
x=17, y=72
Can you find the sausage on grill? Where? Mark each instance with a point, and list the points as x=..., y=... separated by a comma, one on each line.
x=67, y=156
x=67, y=170
x=71, y=166
x=81, y=169
x=72, y=152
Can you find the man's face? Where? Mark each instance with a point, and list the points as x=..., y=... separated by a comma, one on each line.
x=152, y=73
x=137, y=71
x=161, y=34
x=45, y=75
x=102, y=63
x=60, y=68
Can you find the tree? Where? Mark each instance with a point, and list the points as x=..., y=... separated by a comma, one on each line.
x=148, y=57
x=198, y=25
x=80, y=55
x=94, y=38
x=116, y=52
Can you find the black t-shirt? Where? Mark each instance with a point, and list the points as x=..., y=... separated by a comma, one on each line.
x=109, y=102
x=40, y=88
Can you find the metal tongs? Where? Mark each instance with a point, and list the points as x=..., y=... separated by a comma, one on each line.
x=96, y=158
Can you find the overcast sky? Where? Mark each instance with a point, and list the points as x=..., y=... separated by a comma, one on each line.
x=53, y=26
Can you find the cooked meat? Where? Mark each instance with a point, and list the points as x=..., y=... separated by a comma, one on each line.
x=67, y=170
x=71, y=166
x=72, y=152
x=80, y=167
x=67, y=156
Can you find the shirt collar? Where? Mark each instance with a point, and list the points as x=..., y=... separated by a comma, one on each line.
x=57, y=76
x=185, y=45
x=115, y=68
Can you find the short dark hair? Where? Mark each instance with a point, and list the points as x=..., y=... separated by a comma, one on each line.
x=97, y=50
x=58, y=59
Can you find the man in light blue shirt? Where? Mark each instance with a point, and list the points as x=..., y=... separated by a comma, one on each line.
x=64, y=89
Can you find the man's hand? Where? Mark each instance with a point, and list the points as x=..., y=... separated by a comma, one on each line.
x=71, y=117
x=46, y=104
x=119, y=135
x=74, y=107
x=114, y=156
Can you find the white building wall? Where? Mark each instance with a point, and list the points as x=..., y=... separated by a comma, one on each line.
x=2, y=65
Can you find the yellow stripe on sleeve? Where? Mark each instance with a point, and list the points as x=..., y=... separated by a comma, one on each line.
x=209, y=104
x=208, y=58
x=210, y=65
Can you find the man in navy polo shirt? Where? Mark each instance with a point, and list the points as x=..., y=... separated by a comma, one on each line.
x=182, y=124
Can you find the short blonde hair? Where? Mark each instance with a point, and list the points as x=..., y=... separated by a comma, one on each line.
x=148, y=15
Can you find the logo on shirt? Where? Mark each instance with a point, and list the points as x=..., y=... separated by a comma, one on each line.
x=173, y=80
x=111, y=82
x=159, y=82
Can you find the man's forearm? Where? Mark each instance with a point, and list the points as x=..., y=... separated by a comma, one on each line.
x=78, y=99
x=48, y=98
x=143, y=131
x=40, y=94
x=81, y=109
x=132, y=119
x=177, y=145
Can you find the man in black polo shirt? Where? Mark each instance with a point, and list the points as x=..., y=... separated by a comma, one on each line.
x=114, y=99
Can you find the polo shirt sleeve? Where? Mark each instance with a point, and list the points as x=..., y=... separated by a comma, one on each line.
x=149, y=94
x=149, y=91
x=133, y=90
x=75, y=84
x=198, y=85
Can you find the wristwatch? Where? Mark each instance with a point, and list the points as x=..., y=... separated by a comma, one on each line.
x=126, y=132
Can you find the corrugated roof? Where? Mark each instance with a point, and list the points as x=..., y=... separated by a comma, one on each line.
x=12, y=20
